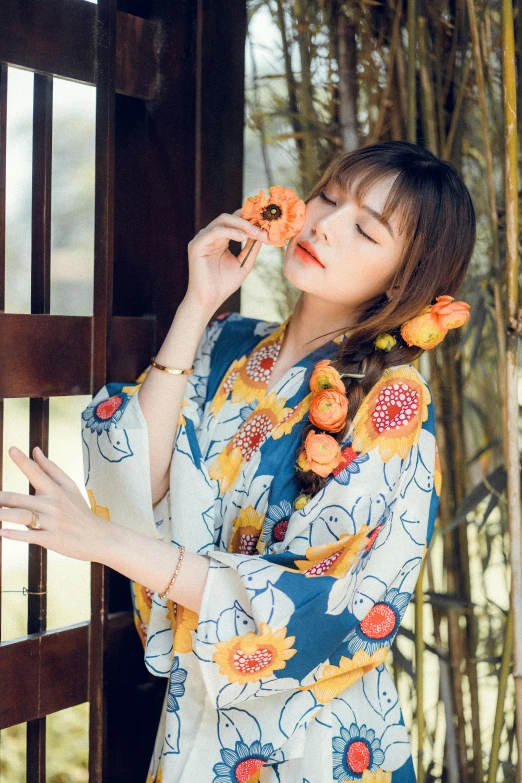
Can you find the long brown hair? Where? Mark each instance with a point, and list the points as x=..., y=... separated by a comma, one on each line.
x=435, y=211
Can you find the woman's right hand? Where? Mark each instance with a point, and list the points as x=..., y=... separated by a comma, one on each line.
x=214, y=272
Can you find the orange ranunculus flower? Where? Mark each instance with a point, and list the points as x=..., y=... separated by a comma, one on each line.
x=450, y=314
x=328, y=410
x=424, y=330
x=325, y=376
x=321, y=454
x=431, y=326
x=281, y=213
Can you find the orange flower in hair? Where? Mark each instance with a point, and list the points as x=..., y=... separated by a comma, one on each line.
x=328, y=410
x=325, y=376
x=321, y=453
x=449, y=313
x=281, y=214
x=432, y=324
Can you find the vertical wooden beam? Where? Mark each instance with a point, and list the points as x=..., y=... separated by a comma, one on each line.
x=105, y=56
x=3, y=125
x=39, y=407
x=220, y=109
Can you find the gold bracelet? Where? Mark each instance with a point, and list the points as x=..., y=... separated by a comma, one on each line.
x=171, y=370
x=178, y=565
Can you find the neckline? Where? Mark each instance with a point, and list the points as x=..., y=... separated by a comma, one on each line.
x=323, y=351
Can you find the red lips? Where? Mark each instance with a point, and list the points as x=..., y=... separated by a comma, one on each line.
x=310, y=249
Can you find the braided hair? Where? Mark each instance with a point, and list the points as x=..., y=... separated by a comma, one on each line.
x=436, y=213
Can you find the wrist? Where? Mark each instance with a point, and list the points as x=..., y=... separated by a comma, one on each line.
x=203, y=311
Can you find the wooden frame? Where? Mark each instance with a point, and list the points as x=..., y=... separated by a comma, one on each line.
x=168, y=127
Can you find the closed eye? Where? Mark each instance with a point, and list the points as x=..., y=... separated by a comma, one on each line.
x=359, y=229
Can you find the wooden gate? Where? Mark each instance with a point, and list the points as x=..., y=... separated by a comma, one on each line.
x=169, y=142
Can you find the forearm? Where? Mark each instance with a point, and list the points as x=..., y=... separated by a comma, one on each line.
x=152, y=562
x=161, y=393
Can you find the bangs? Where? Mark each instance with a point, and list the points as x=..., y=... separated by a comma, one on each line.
x=357, y=175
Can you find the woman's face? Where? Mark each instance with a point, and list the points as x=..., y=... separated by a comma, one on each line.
x=355, y=268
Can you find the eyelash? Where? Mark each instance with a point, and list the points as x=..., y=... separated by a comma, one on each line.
x=359, y=229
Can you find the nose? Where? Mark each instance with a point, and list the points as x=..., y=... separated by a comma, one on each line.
x=327, y=225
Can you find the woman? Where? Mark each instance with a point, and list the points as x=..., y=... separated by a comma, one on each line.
x=303, y=516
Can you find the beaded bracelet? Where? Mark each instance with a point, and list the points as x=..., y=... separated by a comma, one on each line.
x=178, y=565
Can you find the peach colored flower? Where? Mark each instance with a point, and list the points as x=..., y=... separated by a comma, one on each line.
x=450, y=314
x=430, y=327
x=328, y=410
x=321, y=454
x=281, y=213
x=325, y=376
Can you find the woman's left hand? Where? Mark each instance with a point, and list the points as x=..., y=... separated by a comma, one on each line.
x=68, y=525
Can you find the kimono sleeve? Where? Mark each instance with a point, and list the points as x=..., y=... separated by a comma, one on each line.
x=322, y=608
x=116, y=446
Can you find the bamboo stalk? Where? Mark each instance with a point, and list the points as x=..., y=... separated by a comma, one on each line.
x=419, y=669
x=488, y=156
x=375, y=133
x=426, y=79
x=456, y=113
x=306, y=92
x=444, y=688
x=513, y=330
x=412, y=92
x=501, y=697
x=444, y=399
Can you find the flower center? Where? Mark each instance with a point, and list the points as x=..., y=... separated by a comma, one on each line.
x=321, y=568
x=371, y=538
x=247, y=543
x=396, y=406
x=271, y=212
x=280, y=530
x=358, y=756
x=260, y=364
x=252, y=434
x=253, y=663
x=379, y=622
x=109, y=407
x=247, y=768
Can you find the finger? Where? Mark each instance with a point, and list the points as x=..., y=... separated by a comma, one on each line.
x=235, y=221
x=53, y=471
x=237, y=234
x=17, y=500
x=29, y=536
x=19, y=516
x=40, y=480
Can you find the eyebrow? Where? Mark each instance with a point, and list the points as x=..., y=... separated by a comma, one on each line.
x=379, y=217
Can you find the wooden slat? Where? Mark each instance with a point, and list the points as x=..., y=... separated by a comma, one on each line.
x=57, y=37
x=105, y=55
x=61, y=657
x=39, y=407
x=43, y=673
x=50, y=355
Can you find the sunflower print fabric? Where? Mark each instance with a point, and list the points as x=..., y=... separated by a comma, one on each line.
x=282, y=677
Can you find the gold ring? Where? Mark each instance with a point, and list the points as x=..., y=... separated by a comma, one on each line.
x=34, y=524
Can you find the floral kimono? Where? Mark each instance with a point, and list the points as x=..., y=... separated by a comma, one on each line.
x=282, y=676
